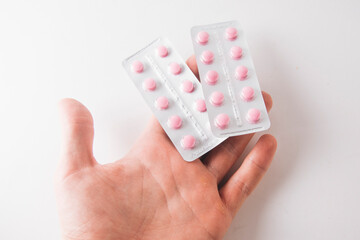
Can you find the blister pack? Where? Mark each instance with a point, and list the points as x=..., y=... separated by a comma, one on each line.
x=230, y=85
x=175, y=96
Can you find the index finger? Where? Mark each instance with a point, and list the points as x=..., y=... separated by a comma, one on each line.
x=191, y=62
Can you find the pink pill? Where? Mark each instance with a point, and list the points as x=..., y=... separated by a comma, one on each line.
x=175, y=68
x=236, y=52
x=137, y=67
x=253, y=115
x=162, y=51
x=200, y=105
x=202, y=38
x=241, y=72
x=149, y=84
x=247, y=93
x=216, y=98
x=207, y=57
x=174, y=122
x=212, y=77
x=162, y=103
x=188, y=142
x=222, y=121
x=231, y=33
x=187, y=86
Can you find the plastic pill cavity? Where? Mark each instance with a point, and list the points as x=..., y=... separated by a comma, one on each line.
x=247, y=93
x=200, y=105
x=217, y=98
x=231, y=33
x=203, y=37
x=236, y=52
x=222, y=121
x=207, y=57
x=253, y=115
x=162, y=103
x=241, y=72
x=188, y=142
x=162, y=51
x=137, y=67
x=175, y=68
x=174, y=122
x=149, y=84
x=212, y=77
x=187, y=86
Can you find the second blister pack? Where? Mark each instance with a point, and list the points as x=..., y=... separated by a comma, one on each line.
x=230, y=85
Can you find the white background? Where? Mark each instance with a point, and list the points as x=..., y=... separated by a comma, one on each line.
x=307, y=55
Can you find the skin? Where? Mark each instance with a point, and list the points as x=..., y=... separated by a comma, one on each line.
x=152, y=193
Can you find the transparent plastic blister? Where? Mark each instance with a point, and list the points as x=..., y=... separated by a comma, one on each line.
x=175, y=97
x=230, y=85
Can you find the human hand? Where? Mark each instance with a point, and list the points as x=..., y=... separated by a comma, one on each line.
x=152, y=193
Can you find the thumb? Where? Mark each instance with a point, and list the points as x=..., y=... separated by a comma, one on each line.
x=77, y=137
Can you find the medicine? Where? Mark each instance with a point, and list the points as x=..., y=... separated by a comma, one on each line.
x=175, y=68
x=137, y=67
x=207, y=57
x=231, y=33
x=211, y=77
x=230, y=86
x=253, y=115
x=222, y=120
x=162, y=51
x=188, y=142
x=236, y=52
x=203, y=38
x=241, y=72
x=201, y=105
x=174, y=122
x=149, y=84
x=217, y=98
x=162, y=103
x=175, y=96
x=187, y=86
x=247, y=93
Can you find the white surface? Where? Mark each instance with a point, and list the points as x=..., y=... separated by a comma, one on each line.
x=306, y=54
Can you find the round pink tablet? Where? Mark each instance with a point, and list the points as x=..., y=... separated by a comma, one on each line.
x=188, y=142
x=137, y=67
x=202, y=38
x=247, y=93
x=174, y=122
x=162, y=103
x=253, y=115
x=187, y=86
x=149, y=84
x=216, y=98
x=211, y=77
x=231, y=33
x=222, y=121
x=175, y=68
x=200, y=105
x=241, y=72
x=236, y=52
x=207, y=57
x=162, y=51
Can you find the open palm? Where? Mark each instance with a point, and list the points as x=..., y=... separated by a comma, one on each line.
x=152, y=193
